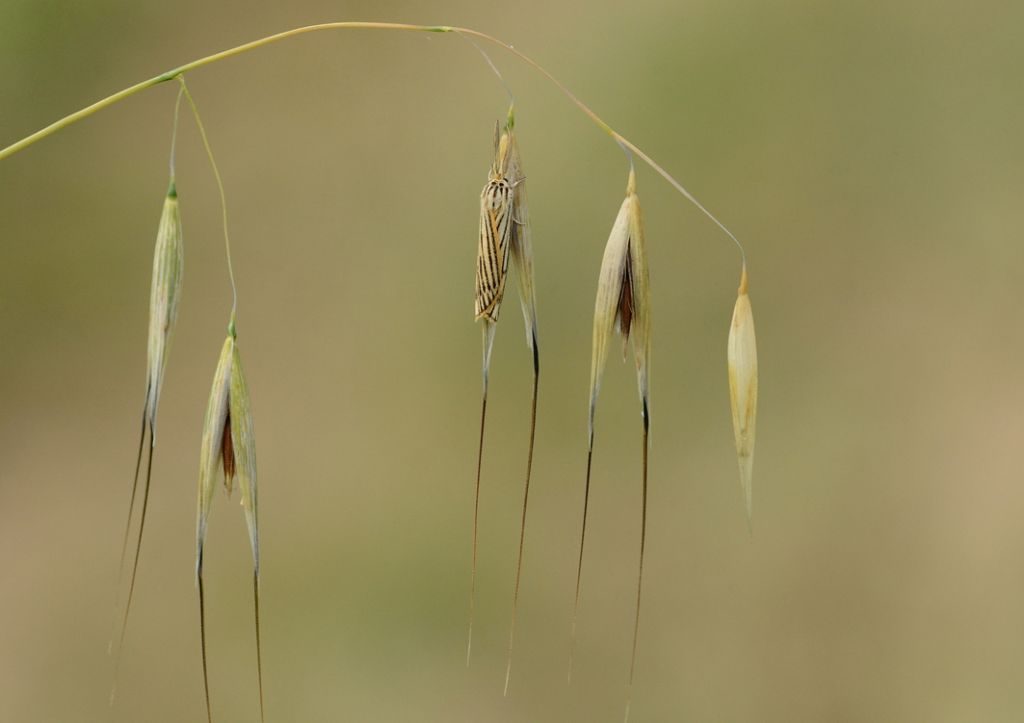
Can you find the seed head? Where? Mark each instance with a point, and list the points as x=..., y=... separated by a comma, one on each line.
x=623, y=296
x=228, y=445
x=165, y=291
x=743, y=388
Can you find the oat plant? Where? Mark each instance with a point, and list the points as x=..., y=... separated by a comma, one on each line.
x=623, y=305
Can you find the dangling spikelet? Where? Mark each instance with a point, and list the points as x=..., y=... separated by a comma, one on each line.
x=504, y=233
x=165, y=292
x=623, y=305
x=522, y=262
x=228, y=446
x=743, y=389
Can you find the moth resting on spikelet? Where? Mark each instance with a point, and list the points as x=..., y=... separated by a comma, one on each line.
x=504, y=233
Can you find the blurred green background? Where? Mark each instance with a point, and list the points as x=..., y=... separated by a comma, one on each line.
x=870, y=155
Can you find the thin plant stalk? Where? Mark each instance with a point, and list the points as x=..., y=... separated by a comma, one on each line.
x=259, y=43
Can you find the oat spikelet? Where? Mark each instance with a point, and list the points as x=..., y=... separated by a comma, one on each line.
x=504, y=234
x=743, y=389
x=228, y=452
x=623, y=305
x=165, y=292
x=522, y=262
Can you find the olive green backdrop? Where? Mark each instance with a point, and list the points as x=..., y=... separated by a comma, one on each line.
x=870, y=156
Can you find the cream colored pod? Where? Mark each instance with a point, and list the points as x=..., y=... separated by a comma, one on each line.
x=743, y=388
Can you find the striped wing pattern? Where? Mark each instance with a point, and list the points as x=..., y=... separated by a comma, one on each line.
x=496, y=225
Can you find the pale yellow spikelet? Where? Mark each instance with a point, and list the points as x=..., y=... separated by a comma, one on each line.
x=165, y=292
x=623, y=295
x=623, y=304
x=639, y=278
x=743, y=388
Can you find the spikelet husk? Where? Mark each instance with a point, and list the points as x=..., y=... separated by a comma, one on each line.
x=165, y=292
x=641, y=292
x=211, y=449
x=243, y=443
x=742, y=357
x=228, y=445
x=522, y=247
x=623, y=295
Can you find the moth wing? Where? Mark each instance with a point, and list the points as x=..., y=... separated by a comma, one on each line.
x=493, y=250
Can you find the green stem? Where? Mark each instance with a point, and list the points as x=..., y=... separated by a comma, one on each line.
x=465, y=32
x=223, y=199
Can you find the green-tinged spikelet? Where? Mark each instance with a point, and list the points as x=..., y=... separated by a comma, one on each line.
x=165, y=292
x=743, y=388
x=228, y=444
x=228, y=448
